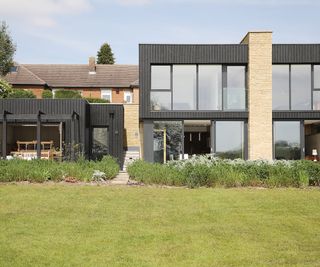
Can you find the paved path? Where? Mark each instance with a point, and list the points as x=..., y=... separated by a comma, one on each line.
x=121, y=179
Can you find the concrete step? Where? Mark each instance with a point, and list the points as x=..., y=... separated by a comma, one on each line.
x=121, y=179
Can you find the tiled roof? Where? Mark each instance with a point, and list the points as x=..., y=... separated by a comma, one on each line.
x=69, y=75
x=135, y=83
x=23, y=76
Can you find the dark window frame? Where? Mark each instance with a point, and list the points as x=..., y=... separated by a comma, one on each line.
x=302, y=136
x=312, y=88
x=92, y=127
x=224, y=78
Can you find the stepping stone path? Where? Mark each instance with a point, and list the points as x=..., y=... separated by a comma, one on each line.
x=121, y=179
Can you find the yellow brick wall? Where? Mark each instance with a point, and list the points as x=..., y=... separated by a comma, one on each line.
x=136, y=95
x=259, y=95
x=131, y=125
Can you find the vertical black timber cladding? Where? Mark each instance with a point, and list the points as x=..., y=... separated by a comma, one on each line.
x=295, y=53
x=111, y=116
x=51, y=107
x=182, y=54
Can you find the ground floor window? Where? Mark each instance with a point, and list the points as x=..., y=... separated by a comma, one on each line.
x=287, y=140
x=229, y=139
x=22, y=140
x=100, y=143
x=167, y=140
x=173, y=140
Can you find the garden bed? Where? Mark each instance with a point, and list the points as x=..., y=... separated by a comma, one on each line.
x=211, y=172
x=17, y=170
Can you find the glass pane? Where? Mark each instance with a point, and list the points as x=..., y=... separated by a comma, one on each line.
x=160, y=101
x=280, y=87
x=229, y=139
x=160, y=77
x=184, y=87
x=316, y=100
x=210, y=87
x=1, y=139
x=287, y=140
x=317, y=76
x=234, y=97
x=301, y=87
x=99, y=143
x=172, y=131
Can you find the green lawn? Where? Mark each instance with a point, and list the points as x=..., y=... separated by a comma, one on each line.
x=57, y=225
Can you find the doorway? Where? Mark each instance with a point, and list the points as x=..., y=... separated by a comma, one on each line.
x=197, y=137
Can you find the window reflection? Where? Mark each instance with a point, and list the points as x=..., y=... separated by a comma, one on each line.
x=287, y=140
x=235, y=93
x=301, y=87
x=210, y=87
x=168, y=135
x=100, y=145
x=280, y=87
x=160, y=77
x=184, y=87
x=230, y=139
x=160, y=101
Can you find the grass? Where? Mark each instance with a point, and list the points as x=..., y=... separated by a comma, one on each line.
x=61, y=225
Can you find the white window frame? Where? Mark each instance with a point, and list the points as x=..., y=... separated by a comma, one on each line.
x=106, y=92
x=126, y=94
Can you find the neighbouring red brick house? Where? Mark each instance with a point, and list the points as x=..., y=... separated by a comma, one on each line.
x=117, y=83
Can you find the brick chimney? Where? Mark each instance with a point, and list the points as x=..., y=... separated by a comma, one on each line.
x=92, y=65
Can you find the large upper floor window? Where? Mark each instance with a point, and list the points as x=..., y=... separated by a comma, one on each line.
x=280, y=87
x=210, y=87
x=292, y=87
x=160, y=77
x=184, y=87
x=235, y=90
x=198, y=87
x=316, y=87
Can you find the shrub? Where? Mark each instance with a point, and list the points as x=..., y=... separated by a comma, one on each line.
x=210, y=171
x=20, y=93
x=47, y=94
x=97, y=100
x=62, y=94
x=44, y=170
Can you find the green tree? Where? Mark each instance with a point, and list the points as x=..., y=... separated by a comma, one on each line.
x=5, y=89
x=7, y=49
x=105, y=55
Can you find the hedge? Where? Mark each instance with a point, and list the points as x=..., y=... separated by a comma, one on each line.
x=20, y=93
x=47, y=94
x=97, y=100
x=62, y=94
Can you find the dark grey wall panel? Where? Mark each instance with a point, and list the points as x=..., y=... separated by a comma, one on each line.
x=199, y=115
x=148, y=141
x=299, y=115
x=182, y=54
x=51, y=107
x=295, y=53
x=111, y=116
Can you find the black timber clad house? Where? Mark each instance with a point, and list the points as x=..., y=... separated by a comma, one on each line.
x=78, y=117
x=156, y=120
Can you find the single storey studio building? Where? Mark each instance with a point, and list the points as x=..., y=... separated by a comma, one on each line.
x=60, y=129
x=253, y=100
